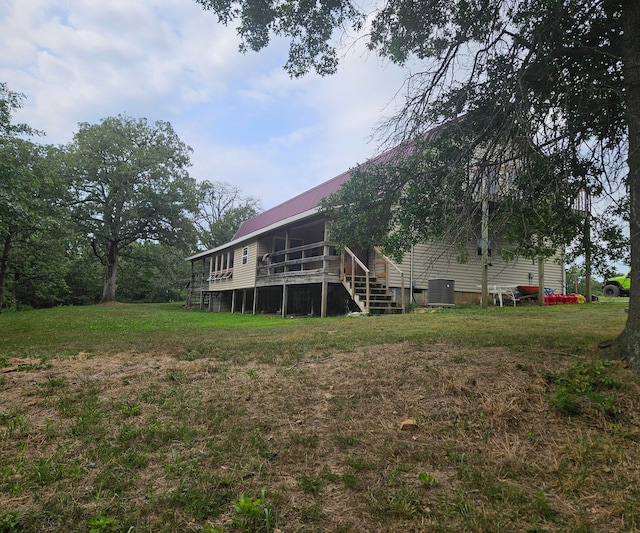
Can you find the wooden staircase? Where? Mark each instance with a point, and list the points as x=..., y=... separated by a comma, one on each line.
x=380, y=301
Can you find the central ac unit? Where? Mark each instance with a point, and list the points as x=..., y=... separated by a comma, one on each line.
x=441, y=293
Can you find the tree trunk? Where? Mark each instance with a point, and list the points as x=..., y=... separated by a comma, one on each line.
x=541, y=280
x=4, y=266
x=627, y=345
x=111, y=271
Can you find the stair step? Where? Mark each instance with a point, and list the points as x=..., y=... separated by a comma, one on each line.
x=380, y=300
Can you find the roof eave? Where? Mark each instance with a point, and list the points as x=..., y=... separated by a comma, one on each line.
x=253, y=235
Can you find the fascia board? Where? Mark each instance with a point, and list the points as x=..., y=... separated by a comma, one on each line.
x=253, y=235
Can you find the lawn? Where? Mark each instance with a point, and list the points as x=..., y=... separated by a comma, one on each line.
x=140, y=418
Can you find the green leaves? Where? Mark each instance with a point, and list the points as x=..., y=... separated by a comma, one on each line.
x=310, y=26
x=130, y=185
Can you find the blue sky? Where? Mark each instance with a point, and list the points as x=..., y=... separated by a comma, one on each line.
x=248, y=123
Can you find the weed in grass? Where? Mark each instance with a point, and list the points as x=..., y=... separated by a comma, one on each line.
x=543, y=506
x=260, y=444
x=11, y=479
x=347, y=441
x=151, y=395
x=310, y=485
x=585, y=381
x=202, y=499
x=113, y=480
x=53, y=469
x=532, y=437
x=254, y=514
x=13, y=422
x=361, y=464
x=348, y=479
x=51, y=384
x=102, y=524
x=128, y=408
x=192, y=356
x=43, y=364
x=159, y=472
x=311, y=514
x=426, y=480
x=10, y=522
x=306, y=441
x=403, y=503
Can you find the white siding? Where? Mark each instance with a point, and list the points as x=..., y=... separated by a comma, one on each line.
x=435, y=260
x=244, y=276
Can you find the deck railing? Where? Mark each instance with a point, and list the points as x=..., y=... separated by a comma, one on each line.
x=309, y=258
x=349, y=263
x=390, y=264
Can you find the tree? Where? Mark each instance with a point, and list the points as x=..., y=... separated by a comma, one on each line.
x=152, y=272
x=30, y=198
x=130, y=184
x=221, y=210
x=563, y=73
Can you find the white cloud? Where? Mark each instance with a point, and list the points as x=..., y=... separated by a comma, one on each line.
x=247, y=121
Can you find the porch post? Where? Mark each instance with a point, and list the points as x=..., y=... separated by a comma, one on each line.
x=233, y=301
x=325, y=295
x=244, y=300
x=284, y=300
x=325, y=269
x=255, y=300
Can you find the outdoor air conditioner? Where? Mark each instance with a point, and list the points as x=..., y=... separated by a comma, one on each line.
x=441, y=293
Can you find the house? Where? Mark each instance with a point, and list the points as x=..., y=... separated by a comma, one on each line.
x=282, y=261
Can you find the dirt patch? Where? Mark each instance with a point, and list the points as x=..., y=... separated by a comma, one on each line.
x=323, y=436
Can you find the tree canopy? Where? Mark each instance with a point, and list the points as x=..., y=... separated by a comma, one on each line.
x=118, y=200
x=29, y=198
x=130, y=183
x=562, y=74
x=221, y=210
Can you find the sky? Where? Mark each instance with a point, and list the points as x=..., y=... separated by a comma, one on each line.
x=249, y=124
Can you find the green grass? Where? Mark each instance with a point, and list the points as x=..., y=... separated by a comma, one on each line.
x=168, y=327
x=135, y=418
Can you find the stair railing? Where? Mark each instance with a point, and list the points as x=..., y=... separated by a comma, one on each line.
x=353, y=259
x=389, y=262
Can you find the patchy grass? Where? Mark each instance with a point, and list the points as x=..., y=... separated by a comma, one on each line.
x=152, y=418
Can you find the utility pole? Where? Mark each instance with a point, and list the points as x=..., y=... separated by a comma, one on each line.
x=485, y=237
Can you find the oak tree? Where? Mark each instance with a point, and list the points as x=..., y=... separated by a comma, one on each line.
x=130, y=183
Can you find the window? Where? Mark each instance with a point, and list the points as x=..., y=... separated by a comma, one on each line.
x=245, y=255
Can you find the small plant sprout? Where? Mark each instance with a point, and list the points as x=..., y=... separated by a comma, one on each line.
x=254, y=514
x=102, y=524
x=426, y=480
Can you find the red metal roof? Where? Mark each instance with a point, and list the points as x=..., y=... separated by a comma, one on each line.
x=296, y=205
x=308, y=200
